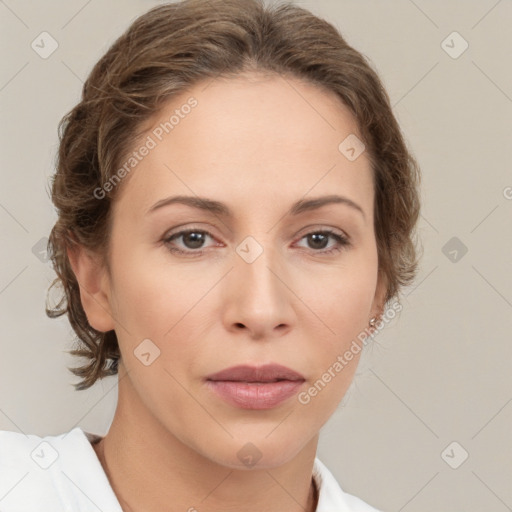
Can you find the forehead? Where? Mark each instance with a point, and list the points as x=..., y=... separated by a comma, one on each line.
x=248, y=140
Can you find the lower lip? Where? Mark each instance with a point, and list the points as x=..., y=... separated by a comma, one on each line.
x=252, y=395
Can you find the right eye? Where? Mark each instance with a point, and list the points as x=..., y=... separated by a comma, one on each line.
x=192, y=239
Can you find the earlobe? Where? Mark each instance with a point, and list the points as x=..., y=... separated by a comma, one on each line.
x=93, y=282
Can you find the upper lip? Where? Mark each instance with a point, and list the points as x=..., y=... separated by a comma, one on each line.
x=265, y=373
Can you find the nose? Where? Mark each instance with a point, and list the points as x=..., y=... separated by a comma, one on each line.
x=258, y=299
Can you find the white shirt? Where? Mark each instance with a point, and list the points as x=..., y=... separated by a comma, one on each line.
x=63, y=474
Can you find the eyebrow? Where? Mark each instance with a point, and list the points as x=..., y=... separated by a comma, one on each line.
x=221, y=209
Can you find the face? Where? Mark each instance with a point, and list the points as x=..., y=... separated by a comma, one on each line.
x=255, y=281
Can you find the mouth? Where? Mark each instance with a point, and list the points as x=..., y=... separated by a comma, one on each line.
x=263, y=374
x=250, y=387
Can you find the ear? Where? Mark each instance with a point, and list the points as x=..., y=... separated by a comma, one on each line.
x=94, y=284
x=380, y=295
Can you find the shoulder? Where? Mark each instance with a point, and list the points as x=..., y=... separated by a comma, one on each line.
x=332, y=497
x=58, y=472
x=19, y=451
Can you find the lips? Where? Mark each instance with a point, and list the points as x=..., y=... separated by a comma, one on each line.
x=266, y=373
x=250, y=387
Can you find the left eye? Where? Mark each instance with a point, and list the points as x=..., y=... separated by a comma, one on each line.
x=322, y=237
x=193, y=240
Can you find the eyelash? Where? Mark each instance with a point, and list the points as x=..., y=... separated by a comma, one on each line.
x=342, y=241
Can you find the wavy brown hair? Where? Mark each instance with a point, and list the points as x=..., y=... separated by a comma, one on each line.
x=166, y=51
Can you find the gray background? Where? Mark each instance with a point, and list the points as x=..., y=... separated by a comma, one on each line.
x=440, y=373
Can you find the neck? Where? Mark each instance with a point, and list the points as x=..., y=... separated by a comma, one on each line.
x=149, y=470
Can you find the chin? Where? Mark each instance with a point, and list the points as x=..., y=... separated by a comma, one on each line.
x=262, y=452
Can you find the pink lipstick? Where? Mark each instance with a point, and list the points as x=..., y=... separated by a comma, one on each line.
x=250, y=387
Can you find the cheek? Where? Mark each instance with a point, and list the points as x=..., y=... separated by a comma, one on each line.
x=342, y=301
x=349, y=311
x=342, y=297
x=335, y=355
x=149, y=296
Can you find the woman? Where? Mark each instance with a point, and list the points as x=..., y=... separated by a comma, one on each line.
x=236, y=209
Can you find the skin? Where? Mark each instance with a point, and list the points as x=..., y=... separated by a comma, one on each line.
x=258, y=144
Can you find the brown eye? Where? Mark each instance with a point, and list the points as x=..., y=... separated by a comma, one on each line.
x=192, y=240
x=318, y=240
